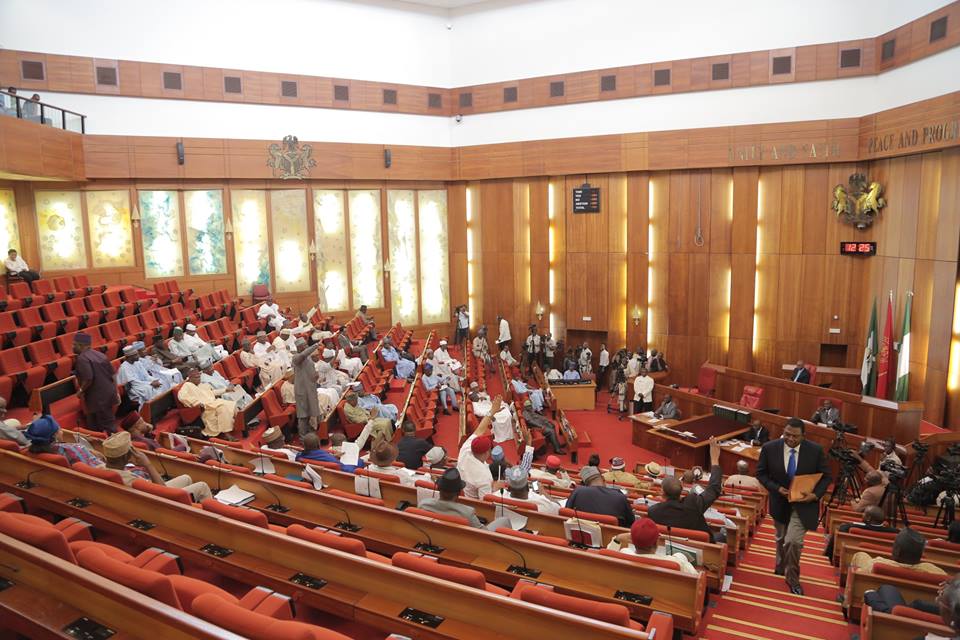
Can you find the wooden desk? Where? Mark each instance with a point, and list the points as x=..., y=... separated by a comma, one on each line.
x=683, y=452
x=840, y=378
x=873, y=417
x=572, y=397
x=729, y=459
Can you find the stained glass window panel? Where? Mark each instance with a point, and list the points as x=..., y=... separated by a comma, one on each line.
x=366, y=266
x=60, y=227
x=9, y=229
x=290, y=239
x=331, y=250
x=160, y=226
x=434, y=272
x=402, y=240
x=111, y=240
x=206, y=250
x=250, y=240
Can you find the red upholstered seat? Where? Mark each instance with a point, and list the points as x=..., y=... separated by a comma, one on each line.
x=510, y=502
x=904, y=611
x=162, y=491
x=894, y=571
x=940, y=543
x=382, y=477
x=751, y=396
x=30, y=317
x=46, y=290
x=53, y=312
x=536, y=537
x=883, y=535
x=52, y=458
x=328, y=538
x=812, y=370
x=438, y=516
x=356, y=497
x=706, y=382
x=430, y=566
x=586, y=515
x=65, y=284
x=98, y=472
x=44, y=353
x=679, y=532
x=9, y=502
x=14, y=335
x=255, y=626
x=604, y=611
x=150, y=583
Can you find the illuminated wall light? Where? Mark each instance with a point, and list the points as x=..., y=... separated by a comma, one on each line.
x=953, y=369
x=551, y=202
x=651, y=205
x=755, y=342
x=551, y=253
x=471, y=301
x=552, y=286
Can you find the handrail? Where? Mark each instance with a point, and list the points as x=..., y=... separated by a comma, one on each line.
x=18, y=99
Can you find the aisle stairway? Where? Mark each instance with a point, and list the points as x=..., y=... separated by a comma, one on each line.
x=758, y=606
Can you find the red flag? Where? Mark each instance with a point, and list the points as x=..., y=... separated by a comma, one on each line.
x=883, y=359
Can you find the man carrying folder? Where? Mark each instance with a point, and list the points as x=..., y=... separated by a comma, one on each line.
x=794, y=499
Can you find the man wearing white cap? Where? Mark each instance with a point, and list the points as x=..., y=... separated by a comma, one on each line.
x=281, y=349
x=351, y=365
x=223, y=388
x=620, y=475
x=270, y=311
x=269, y=370
x=133, y=465
x=328, y=377
x=519, y=487
x=140, y=386
x=197, y=348
x=404, y=368
x=171, y=377
x=352, y=349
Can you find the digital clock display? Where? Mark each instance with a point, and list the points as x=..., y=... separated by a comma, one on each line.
x=858, y=248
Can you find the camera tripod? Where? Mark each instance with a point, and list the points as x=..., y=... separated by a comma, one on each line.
x=894, y=509
x=947, y=508
x=846, y=488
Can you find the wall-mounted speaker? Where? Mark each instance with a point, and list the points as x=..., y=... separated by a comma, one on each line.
x=179, y=153
x=387, y=158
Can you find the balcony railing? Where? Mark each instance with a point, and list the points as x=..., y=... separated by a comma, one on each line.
x=18, y=106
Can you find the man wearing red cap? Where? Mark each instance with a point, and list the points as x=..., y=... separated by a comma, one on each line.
x=553, y=473
x=473, y=460
x=643, y=541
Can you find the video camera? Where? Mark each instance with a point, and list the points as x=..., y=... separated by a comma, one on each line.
x=895, y=471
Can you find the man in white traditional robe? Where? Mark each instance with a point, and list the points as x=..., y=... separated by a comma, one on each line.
x=223, y=388
x=217, y=414
x=325, y=399
x=270, y=370
x=201, y=350
x=304, y=326
x=536, y=395
x=328, y=377
x=170, y=377
x=372, y=403
x=270, y=311
x=351, y=365
x=140, y=386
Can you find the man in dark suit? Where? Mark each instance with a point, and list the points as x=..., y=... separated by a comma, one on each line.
x=800, y=373
x=757, y=433
x=873, y=520
x=688, y=512
x=779, y=462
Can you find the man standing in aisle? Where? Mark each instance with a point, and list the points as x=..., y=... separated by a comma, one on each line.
x=781, y=460
x=504, y=337
x=305, y=387
x=98, y=385
x=642, y=392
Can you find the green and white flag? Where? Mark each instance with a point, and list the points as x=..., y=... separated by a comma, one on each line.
x=867, y=377
x=903, y=359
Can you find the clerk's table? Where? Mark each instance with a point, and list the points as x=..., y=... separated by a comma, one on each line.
x=577, y=396
x=685, y=442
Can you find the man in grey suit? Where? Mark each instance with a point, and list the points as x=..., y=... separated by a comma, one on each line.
x=305, y=387
x=449, y=486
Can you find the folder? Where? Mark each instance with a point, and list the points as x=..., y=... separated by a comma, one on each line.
x=803, y=484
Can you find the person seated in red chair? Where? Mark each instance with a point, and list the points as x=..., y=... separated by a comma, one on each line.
x=313, y=451
x=217, y=413
x=907, y=553
x=10, y=428
x=643, y=540
x=594, y=496
x=273, y=440
x=519, y=486
x=688, y=512
x=826, y=414
x=800, y=373
x=872, y=520
x=44, y=436
x=132, y=464
x=367, y=320
x=141, y=431
x=16, y=266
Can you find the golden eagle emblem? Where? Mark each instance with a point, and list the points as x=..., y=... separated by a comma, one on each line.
x=291, y=161
x=860, y=202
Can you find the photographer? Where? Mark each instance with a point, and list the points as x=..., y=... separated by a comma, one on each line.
x=876, y=484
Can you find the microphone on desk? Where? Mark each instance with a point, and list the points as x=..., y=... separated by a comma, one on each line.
x=277, y=505
x=522, y=570
x=27, y=483
x=348, y=525
x=427, y=546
